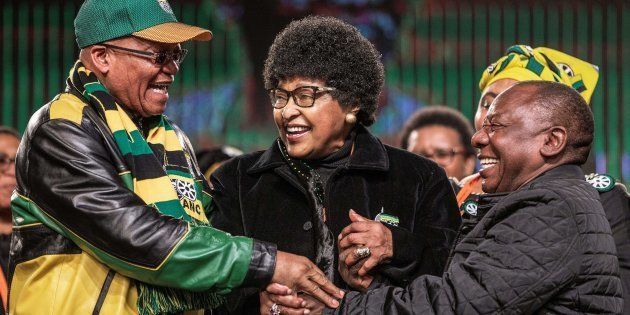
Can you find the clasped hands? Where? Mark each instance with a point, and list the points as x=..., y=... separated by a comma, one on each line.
x=354, y=269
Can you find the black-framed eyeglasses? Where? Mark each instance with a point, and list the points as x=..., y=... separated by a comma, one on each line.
x=443, y=157
x=5, y=162
x=160, y=58
x=303, y=96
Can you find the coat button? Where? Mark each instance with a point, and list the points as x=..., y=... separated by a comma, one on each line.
x=307, y=225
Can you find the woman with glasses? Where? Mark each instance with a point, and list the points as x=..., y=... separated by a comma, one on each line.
x=443, y=135
x=326, y=188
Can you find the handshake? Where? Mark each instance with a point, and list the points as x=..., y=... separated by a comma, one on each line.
x=298, y=274
x=299, y=287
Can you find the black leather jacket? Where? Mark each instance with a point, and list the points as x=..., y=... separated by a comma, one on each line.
x=75, y=222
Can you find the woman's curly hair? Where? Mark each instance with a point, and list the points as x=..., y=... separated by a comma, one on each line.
x=331, y=50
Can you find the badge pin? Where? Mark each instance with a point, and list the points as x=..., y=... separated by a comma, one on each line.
x=387, y=218
x=601, y=182
x=470, y=207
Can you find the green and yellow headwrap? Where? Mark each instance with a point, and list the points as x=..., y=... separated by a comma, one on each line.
x=522, y=63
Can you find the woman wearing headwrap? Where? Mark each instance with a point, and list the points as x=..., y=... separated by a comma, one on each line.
x=324, y=79
x=522, y=63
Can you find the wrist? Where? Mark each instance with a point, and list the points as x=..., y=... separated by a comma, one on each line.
x=262, y=266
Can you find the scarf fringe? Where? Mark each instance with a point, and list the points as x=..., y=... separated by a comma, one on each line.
x=153, y=300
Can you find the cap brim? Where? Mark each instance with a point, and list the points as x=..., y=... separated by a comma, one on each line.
x=174, y=32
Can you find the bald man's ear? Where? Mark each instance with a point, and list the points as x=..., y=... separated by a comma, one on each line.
x=98, y=57
x=555, y=142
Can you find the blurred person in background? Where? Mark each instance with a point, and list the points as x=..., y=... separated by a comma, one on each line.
x=443, y=135
x=324, y=79
x=9, y=142
x=522, y=63
x=210, y=159
x=110, y=206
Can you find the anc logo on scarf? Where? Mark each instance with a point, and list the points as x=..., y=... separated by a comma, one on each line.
x=184, y=189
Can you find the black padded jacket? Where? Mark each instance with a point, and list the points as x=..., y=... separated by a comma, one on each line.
x=545, y=248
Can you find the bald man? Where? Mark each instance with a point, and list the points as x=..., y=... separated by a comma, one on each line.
x=546, y=247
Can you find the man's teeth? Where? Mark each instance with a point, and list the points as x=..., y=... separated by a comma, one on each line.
x=295, y=129
x=488, y=162
x=160, y=88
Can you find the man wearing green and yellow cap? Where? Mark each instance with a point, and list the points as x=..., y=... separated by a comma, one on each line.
x=110, y=210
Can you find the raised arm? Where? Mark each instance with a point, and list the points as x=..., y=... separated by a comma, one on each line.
x=83, y=198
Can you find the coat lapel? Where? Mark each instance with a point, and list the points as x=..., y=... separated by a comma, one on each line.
x=272, y=159
x=368, y=154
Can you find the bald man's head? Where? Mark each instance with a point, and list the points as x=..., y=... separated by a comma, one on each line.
x=559, y=105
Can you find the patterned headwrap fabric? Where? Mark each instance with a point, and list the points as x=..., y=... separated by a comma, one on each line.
x=522, y=63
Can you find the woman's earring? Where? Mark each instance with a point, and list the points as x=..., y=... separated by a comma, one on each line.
x=351, y=118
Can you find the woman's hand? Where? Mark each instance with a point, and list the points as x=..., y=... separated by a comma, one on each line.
x=350, y=274
x=288, y=302
x=297, y=272
x=363, y=232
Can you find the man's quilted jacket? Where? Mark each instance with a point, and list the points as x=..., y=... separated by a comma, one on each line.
x=545, y=248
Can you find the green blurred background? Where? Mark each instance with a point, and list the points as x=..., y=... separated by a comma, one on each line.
x=434, y=52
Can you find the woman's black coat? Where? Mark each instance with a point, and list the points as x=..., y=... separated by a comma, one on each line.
x=258, y=196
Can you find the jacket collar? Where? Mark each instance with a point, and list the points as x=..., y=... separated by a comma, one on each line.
x=369, y=154
x=140, y=122
x=566, y=171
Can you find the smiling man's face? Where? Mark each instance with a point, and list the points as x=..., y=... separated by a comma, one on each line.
x=509, y=142
x=138, y=83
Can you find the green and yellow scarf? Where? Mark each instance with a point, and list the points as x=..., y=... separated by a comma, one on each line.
x=160, y=173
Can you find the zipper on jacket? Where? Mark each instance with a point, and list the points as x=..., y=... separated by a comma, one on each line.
x=103, y=294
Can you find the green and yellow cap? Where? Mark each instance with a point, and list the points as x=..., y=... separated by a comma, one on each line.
x=102, y=20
